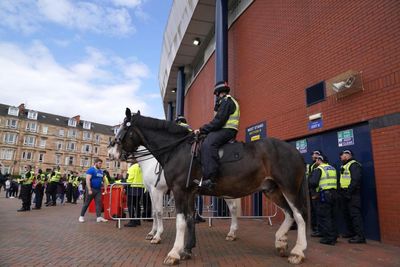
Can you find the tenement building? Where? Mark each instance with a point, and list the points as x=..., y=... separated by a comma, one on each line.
x=46, y=141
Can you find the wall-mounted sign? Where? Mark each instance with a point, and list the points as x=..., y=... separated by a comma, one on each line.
x=315, y=124
x=301, y=146
x=256, y=132
x=345, y=138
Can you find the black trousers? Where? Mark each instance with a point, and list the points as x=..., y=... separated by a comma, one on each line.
x=314, y=213
x=327, y=215
x=75, y=194
x=134, y=198
x=26, y=196
x=69, y=192
x=39, y=190
x=209, y=151
x=53, y=192
x=352, y=215
x=146, y=205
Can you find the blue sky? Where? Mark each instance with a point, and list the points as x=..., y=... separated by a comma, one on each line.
x=91, y=58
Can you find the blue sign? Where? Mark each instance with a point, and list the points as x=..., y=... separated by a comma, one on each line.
x=256, y=132
x=315, y=124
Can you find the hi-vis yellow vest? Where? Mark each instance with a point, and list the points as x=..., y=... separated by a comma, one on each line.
x=345, y=177
x=41, y=178
x=56, y=178
x=233, y=120
x=328, y=178
x=135, y=177
x=28, y=181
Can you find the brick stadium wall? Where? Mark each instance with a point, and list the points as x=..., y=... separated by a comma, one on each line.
x=279, y=48
x=386, y=151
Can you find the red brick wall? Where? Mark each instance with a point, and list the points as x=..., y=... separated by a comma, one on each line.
x=386, y=151
x=279, y=48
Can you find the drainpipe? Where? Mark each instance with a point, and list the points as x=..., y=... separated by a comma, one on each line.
x=180, y=92
x=170, y=111
x=221, y=41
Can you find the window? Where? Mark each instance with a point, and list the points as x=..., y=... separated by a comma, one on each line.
x=85, y=162
x=29, y=140
x=27, y=155
x=72, y=122
x=41, y=157
x=32, y=115
x=10, y=138
x=45, y=129
x=7, y=154
x=58, y=159
x=117, y=164
x=315, y=93
x=10, y=123
x=69, y=160
x=42, y=142
x=96, y=150
x=71, y=146
x=72, y=133
x=97, y=138
x=86, y=148
x=61, y=132
x=87, y=136
x=13, y=111
x=87, y=125
x=31, y=127
x=59, y=145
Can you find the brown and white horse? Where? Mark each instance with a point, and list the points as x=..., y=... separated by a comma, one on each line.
x=271, y=166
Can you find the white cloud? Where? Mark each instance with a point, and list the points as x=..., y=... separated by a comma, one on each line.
x=94, y=16
x=31, y=75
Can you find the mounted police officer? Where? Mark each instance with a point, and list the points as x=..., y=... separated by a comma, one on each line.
x=219, y=131
x=350, y=196
x=26, y=188
x=323, y=180
x=181, y=121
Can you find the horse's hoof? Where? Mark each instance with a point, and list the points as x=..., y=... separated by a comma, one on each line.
x=155, y=241
x=186, y=255
x=230, y=238
x=171, y=261
x=295, y=259
x=149, y=237
x=282, y=251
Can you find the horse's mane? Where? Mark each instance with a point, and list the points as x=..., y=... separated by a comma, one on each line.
x=156, y=124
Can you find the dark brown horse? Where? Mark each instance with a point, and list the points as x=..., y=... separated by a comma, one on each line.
x=271, y=166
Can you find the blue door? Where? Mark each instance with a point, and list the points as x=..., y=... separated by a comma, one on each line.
x=360, y=144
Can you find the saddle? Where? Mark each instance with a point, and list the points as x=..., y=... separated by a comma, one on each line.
x=229, y=152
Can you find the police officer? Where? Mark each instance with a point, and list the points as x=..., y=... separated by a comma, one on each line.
x=39, y=189
x=134, y=191
x=324, y=181
x=75, y=185
x=26, y=188
x=181, y=121
x=219, y=131
x=350, y=196
x=54, y=180
x=70, y=179
x=314, y=196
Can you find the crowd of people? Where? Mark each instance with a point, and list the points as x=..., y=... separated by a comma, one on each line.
x=335, y=193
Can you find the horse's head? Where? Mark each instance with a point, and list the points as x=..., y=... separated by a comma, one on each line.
x=127, y=139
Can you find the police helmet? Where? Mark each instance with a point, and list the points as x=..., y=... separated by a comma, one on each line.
x=221, y=88
x=180, y=119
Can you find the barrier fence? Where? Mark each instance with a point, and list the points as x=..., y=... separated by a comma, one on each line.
x=115, y=204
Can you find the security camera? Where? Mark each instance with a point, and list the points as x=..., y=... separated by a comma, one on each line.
x=340, y=86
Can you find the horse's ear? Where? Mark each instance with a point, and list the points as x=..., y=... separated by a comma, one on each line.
x=128, y=114
x=138, y=112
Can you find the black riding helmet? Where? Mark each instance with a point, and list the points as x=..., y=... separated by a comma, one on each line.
x=222, y=87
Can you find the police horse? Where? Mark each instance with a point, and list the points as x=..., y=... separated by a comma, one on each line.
x=271, y=166
x=155, y=183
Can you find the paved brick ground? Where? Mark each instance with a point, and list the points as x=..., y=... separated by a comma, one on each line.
x=53, y=237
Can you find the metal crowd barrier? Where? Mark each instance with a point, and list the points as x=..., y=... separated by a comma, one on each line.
x=255, y=206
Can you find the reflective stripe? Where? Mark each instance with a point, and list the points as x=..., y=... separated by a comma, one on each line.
x=328, y=178
x=30, y=179
x=233, y=120
x=56, y=177
x=345, y=177
x=185, y=125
